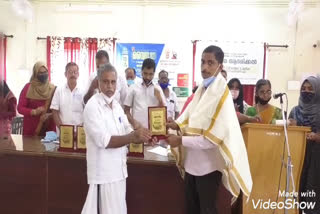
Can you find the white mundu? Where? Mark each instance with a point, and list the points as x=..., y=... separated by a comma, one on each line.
x=105, y=167
x=69, y=104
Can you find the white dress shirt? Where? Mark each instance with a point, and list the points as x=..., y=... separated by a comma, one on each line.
x=122, y=87
x=101, y=123
x=172, y=106
x=139, y=98
x=69, y=104
x=202, y=156
x=137, y=80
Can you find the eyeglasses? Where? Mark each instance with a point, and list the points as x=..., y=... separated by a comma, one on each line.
x=269, y=92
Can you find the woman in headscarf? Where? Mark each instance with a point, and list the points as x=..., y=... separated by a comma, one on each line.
x=34, y=103
x=268, y=113
x=8, y=108
x=307, y=113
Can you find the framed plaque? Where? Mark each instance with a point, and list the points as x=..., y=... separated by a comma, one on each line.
x=136, y=150
x=81, y=139
x=157, y=119
x=66, y=138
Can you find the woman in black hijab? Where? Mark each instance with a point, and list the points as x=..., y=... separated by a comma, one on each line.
x=307, y=113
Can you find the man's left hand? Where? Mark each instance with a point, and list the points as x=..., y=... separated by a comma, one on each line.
x=174, y=140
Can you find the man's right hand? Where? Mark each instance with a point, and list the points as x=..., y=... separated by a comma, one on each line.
x=141, y=135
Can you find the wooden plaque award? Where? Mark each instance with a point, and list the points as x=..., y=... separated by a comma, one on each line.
x=66, y=138
x=157, y=119
x=81, y=139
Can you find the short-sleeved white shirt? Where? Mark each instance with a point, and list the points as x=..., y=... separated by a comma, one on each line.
x=139, y=98
x=69, y=104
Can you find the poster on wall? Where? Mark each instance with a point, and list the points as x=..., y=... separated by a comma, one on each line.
x=175, y=58
x=183, y=80
x=181, y=91
x=242, y=60
x=133, y=54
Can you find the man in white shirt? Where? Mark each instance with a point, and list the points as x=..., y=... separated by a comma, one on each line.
x=213, y=145
x=131, y=76
x=171, y=97
x=67, y=106
x=102, y=57
x=143, y=95
x=107, y=134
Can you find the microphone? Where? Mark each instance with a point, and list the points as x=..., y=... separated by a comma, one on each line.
x=276, y=96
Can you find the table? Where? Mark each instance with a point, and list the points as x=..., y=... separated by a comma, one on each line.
x=36, y=181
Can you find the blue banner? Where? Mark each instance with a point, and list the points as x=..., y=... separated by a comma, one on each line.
x=133, y=54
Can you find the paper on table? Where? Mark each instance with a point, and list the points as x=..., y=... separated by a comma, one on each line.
x=159, y=151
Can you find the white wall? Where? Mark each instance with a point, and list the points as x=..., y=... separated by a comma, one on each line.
x=176, y=23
